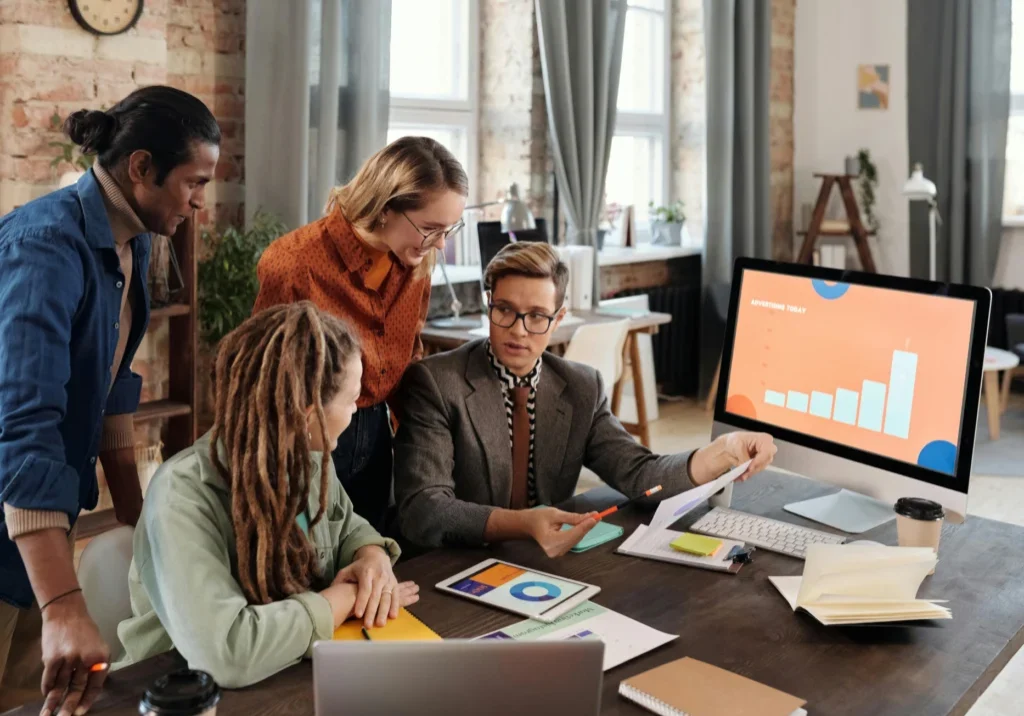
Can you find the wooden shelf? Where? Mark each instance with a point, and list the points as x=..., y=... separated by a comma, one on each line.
x=91, y=524
x=174, y=309
x=831, y=232
x=159, y=409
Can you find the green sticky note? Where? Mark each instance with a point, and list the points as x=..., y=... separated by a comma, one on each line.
x=602, y=532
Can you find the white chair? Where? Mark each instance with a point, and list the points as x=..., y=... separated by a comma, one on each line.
x=103, y=576
x=600, y=345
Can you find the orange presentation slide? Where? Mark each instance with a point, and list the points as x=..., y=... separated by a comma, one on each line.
x=871, y=368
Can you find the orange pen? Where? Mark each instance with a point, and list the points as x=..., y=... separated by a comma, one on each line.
x=616, y=508
x=100, y=666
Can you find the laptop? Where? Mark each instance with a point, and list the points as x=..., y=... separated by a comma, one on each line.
x=450, y=678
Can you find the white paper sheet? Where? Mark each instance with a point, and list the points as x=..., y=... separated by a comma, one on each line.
x=637, y=545
x=673, y=508
x=624, y=638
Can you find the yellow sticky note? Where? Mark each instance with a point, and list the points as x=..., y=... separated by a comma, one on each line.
x=699, y=545
x=405, y=628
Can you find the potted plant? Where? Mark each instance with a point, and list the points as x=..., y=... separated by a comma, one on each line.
x=609, y=216
x=69, y=154
x=667, y=224
x=227, y=275
x=867, y=180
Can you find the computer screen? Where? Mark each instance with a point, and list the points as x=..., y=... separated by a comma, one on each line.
x=492, y=240
x=871, y=368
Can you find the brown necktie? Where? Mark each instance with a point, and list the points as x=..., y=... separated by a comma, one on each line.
x=520, y=448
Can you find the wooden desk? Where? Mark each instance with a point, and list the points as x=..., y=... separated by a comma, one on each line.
x=442, y=339
x=738, y=622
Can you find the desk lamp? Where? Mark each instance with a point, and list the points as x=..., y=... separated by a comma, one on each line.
x=918, y=188
x=515, y=216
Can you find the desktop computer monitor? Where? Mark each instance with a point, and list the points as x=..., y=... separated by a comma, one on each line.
x=492, y=240
x=865, y=381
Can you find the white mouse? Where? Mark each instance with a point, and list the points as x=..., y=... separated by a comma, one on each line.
x=866, y=542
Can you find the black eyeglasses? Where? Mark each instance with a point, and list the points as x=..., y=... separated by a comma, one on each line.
x=506, y=317
x=433, y=238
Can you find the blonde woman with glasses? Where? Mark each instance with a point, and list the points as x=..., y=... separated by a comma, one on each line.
x=368, y=261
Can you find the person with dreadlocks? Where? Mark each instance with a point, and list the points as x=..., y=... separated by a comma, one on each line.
x=243, y=555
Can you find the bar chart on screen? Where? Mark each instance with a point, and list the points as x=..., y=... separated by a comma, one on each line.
x=882, y=406
x=860, y=366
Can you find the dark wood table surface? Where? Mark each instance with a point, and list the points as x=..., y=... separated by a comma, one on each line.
x=738, y=622
x=449, y=338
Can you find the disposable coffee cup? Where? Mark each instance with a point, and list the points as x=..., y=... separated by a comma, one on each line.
x=919, y=523
x=181, y=693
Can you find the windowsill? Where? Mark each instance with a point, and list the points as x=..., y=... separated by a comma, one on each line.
x=619, y=255
x=1013, y=222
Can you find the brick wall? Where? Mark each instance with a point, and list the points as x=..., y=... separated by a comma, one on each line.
x=49, y=64
x=513, y=118
x=781, y=128
x=687, y=101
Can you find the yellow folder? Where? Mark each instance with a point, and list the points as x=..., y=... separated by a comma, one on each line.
x=405, y=628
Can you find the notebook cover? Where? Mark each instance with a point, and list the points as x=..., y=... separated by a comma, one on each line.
x=601, y=533
x=698, y=689
x=405, y=628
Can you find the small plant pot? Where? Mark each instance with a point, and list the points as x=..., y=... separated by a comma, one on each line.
x=665, y=233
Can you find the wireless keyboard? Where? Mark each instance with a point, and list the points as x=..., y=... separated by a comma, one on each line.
x=762, y=532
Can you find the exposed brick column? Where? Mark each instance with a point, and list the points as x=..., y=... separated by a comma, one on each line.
x=513, y=118
x=781, y=128
x=687, y=103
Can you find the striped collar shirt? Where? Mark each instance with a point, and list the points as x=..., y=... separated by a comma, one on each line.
x=510, y=380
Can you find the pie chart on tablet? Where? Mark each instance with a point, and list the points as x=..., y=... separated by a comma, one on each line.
x=535, y=591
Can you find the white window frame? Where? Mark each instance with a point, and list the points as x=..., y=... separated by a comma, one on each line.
x=652, y=124
x=451, y=114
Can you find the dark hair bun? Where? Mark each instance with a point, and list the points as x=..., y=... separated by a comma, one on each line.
x=91, y=130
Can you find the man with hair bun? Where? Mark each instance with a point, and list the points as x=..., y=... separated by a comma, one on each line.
x=73, y=309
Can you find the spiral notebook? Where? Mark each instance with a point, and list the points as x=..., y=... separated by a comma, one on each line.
x=687, y=687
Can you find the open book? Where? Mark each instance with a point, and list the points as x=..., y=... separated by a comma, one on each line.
x=862, y=584
x=652, y=541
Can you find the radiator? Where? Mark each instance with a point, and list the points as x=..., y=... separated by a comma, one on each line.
x=1004, y=301
x=677, y=344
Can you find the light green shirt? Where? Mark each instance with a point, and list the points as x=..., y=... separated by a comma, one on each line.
x=185, y=594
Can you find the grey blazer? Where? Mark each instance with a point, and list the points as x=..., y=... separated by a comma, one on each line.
x=453, y=458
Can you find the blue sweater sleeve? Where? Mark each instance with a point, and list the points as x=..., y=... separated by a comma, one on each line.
x=40, y=290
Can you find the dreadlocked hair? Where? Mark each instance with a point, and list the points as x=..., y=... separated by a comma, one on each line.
x=268, y=371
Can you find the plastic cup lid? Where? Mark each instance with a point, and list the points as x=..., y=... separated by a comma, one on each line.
x=918, y=508
x=181, y=692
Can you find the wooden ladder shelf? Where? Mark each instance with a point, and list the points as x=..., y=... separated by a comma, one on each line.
x=856, y=229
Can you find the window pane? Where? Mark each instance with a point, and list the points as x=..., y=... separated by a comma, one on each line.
x=1013, y=192
x=649, y=4
x=635, y=172
x=429, y=49
x=454, y=139
x=642, y=82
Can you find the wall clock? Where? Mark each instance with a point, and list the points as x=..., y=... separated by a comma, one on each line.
x=106, y=17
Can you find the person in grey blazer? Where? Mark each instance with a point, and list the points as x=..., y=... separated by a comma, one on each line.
x=496, y=427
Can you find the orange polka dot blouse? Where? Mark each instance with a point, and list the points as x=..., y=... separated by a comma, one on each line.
x=326, y=263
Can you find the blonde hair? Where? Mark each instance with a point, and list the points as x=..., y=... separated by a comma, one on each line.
x=400, y=177
x=534, y=259
x=267, y=371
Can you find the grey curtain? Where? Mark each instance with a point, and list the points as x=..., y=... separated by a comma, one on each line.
x=737, y=36
x=317, y=99
x=958, y=93
x=581, y=55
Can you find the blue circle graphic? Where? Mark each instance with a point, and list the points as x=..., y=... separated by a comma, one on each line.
x=830, y=291
x=938, y=455
x=550, y=591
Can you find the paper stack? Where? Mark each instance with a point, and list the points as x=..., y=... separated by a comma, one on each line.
x=863, y=584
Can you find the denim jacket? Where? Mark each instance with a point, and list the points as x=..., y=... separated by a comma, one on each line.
x=60, y=300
